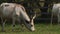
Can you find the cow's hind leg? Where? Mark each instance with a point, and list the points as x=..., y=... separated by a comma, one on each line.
x=3, y=24
x=51, y=18
x=58, y=18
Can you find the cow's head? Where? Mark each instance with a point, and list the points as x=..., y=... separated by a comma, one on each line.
x=30, y=24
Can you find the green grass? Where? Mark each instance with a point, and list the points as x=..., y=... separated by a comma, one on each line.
x=40, y=29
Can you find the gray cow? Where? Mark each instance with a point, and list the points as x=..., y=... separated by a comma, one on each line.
x=16, y=12
x=56, y=11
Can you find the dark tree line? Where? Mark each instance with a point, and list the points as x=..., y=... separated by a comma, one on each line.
x=32, y=5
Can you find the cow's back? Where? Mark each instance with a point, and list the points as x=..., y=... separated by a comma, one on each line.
x=55, y=9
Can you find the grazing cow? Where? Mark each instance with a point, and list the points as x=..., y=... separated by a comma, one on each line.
x=16, y=12
x=56, y=11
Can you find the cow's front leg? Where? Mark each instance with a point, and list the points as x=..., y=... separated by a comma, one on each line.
x=13, y=24
x=21, y=24
x=58, y=18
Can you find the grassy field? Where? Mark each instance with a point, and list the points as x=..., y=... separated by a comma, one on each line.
x=40, y=29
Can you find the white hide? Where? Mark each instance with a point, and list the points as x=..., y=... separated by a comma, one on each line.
x=16, y=11
x=56, y=10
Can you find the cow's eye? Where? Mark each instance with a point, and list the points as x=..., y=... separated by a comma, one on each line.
x=31, y=25
x=27, y=22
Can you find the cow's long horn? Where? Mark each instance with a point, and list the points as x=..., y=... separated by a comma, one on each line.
x=34, y=16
